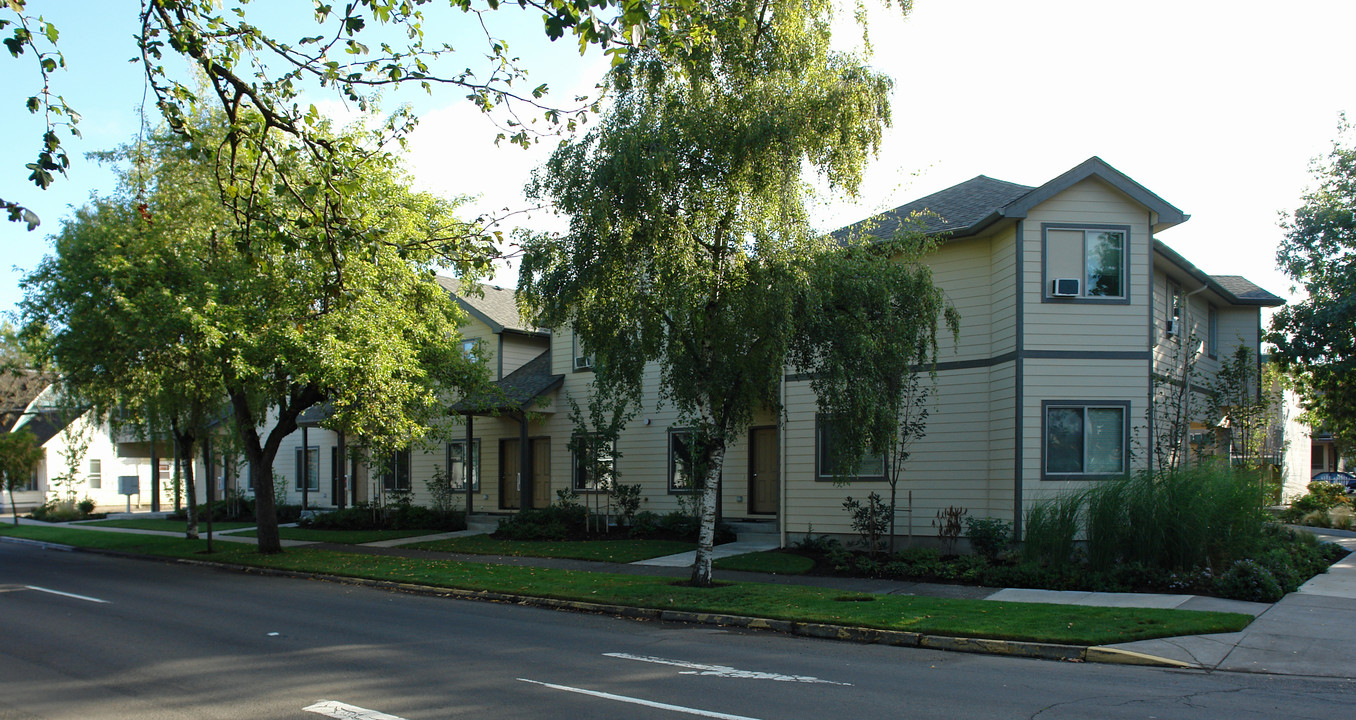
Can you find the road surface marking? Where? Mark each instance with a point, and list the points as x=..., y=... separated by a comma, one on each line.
x=336, y=709
x=725, y=671
x=66, y=594
x=638, y=701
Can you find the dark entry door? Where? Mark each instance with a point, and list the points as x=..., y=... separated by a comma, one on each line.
x=764, y=474
x=508, y=475
x=510, y=498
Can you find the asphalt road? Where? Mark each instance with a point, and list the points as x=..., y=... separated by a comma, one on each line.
x=143, y=639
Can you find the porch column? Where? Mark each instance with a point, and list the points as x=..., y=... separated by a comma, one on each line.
x=155, y=473
x=466, y=464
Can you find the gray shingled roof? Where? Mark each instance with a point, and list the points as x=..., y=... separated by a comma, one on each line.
x=1233, y=288
x=977, y=203
x=956, y=208
x=517, y=390
x=496, y=306
x=1246, y=291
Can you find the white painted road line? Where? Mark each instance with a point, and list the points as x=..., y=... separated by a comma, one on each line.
x=638, y=701
x=66, y=594
x=336, y=709
x=725, y=671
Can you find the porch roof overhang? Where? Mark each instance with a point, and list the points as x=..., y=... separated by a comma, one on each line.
x=516, y=392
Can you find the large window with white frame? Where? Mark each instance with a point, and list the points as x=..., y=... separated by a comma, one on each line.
x=457, y=470
x=96, y=474
x=312, y=470
x=1086, y=262
x=1085, y=440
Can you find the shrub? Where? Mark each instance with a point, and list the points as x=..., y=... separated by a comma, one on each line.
x=948, y=524
x=57, y=511
x=988, y=536
x=1051, y=526
x=85, y=506
x=870, y=520
x=555, y=522
x=815, y=544
x=627, y=498
x=1248, y=580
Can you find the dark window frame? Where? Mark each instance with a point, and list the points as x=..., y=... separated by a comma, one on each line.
x=390, y=471
x=823, y=425
x=1084, y=405
x=1083, y=297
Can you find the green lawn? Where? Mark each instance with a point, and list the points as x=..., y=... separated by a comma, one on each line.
x=961, y=618
x=778, y=563
x=167, y=525
x=343, y=537
x=617, y=551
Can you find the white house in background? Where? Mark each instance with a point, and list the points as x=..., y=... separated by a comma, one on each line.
x=81, y=457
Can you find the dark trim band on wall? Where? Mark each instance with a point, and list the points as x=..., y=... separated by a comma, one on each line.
x=1088, y=354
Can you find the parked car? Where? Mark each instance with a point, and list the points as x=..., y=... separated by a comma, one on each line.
x=1345, y=479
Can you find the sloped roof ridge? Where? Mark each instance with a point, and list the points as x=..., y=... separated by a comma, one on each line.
x=495, y=306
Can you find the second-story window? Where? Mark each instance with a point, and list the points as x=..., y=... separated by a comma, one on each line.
x=1087, y=263
x=582, y=360
x=468, y=348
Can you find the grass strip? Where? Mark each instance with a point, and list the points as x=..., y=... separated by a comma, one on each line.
x=343, y=537
x=616, y=551
x=165, y=525
x=777, y=563
x=1070, y=624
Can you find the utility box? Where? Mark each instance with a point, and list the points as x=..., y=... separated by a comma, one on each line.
x=129, y=485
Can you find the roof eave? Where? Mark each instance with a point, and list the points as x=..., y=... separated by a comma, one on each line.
x=1168, y=214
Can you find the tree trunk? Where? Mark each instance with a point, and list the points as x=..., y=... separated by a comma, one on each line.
x=12, y=507
x=186, y=449
x=265, y=513
x=706, y=536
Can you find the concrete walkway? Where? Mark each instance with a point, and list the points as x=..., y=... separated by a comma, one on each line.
x=1310, y=632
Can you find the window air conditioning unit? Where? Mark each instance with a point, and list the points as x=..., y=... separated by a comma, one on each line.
x=1174, y=326
x=583, y=363
x=1064, y=287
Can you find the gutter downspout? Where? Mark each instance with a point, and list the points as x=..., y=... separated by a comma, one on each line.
x=782, y=479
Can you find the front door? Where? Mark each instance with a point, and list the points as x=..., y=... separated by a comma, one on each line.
x=508, y=474
x=764, y=475
x=509, y=460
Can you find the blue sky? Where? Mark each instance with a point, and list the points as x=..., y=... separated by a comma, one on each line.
x=1217, y=107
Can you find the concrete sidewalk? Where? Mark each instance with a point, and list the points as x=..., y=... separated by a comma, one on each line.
x=1309, y=632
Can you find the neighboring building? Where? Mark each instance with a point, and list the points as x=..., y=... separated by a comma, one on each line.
x=81, y=458
x=1070, y=308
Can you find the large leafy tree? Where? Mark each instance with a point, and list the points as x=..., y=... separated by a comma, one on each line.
x=159, y=298
x=258, y=66
x=689, y=243
x=1315, y=338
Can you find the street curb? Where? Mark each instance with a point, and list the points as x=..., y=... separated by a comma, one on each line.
x=1130, y=657
x=861, y=635
x=37, y=543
